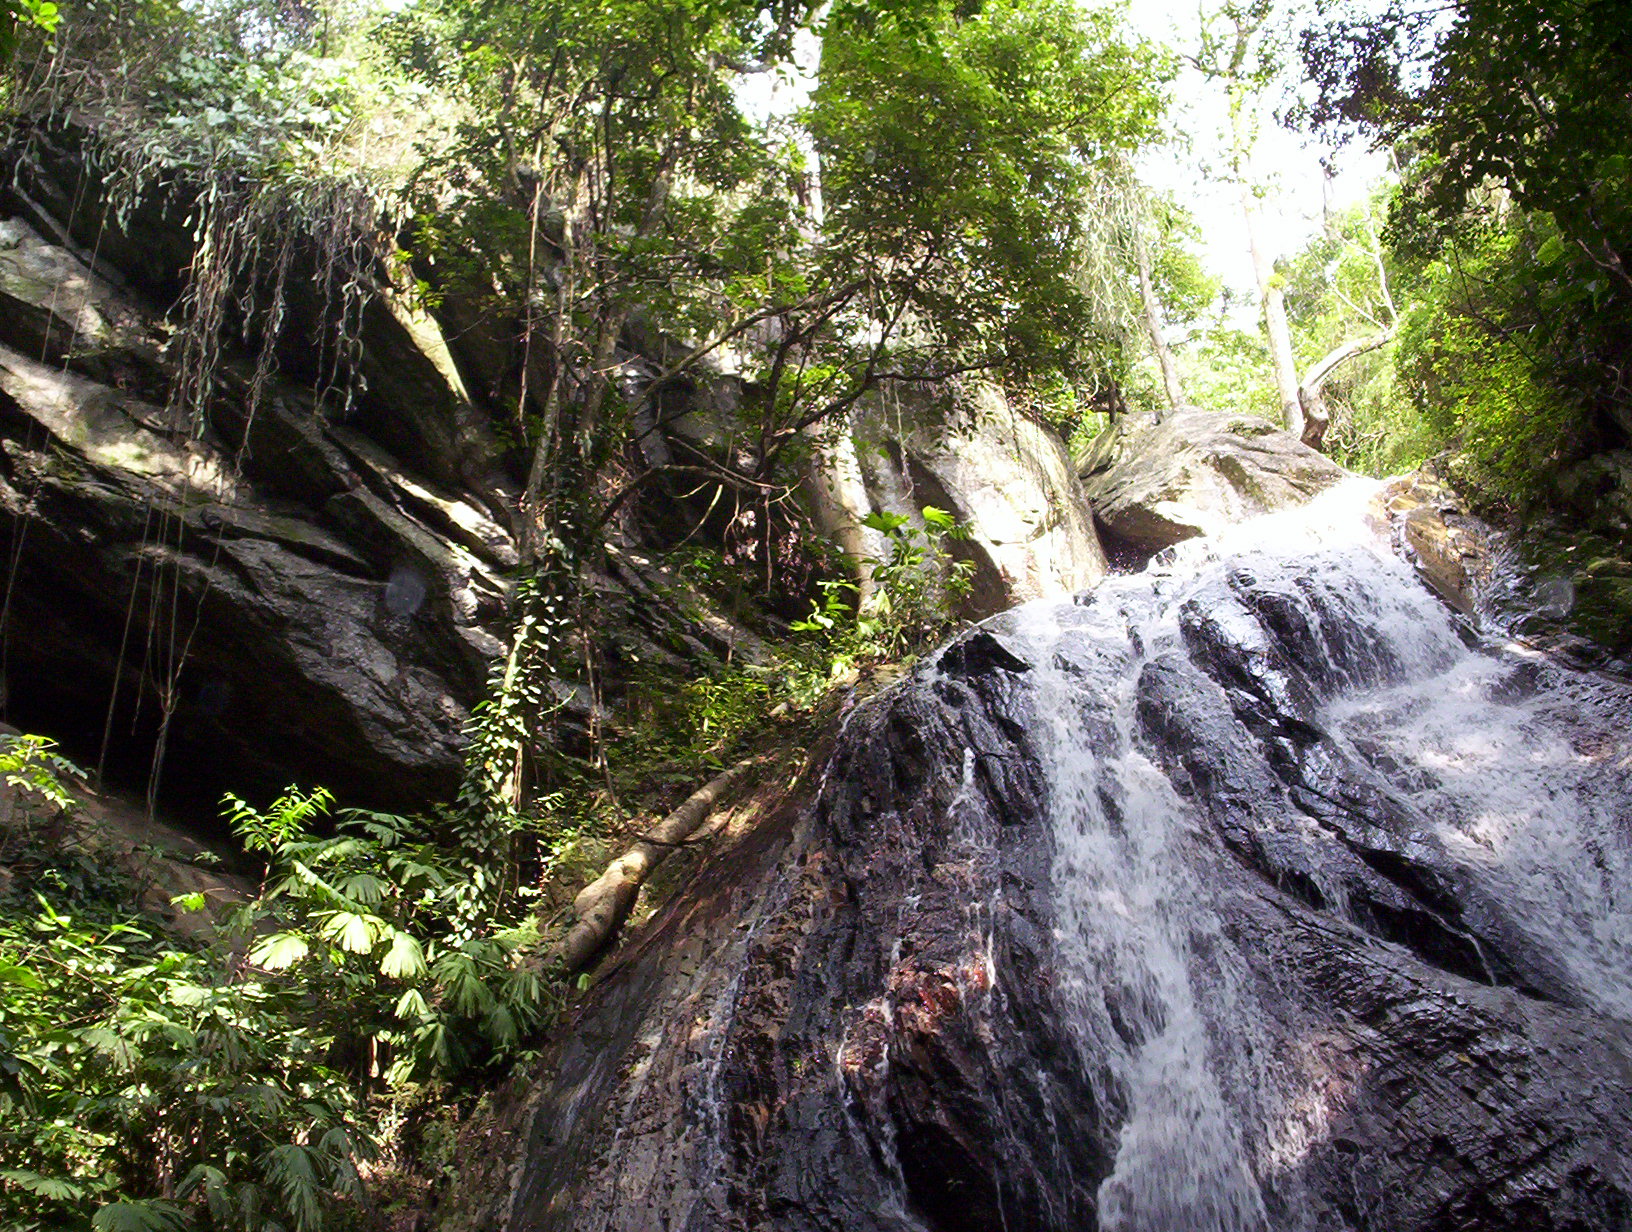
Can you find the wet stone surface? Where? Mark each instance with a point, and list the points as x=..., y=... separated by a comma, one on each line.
x=1241, y=894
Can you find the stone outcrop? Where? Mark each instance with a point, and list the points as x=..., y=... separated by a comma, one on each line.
x=116, y=833
x=1559, y=585
x=332, y=589
x=315, y=594
x=301, y=602
x=1450, y=549
x=967, y=451
x=1154, y=485
x=1096, y=921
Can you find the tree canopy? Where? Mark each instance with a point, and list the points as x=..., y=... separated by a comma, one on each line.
x=1513, y=124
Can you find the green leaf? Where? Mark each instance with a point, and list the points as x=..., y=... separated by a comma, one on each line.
x=217, y=1195
x=290, y=1170
x=364, y=888
x=885, y=521
x=280, y=951
x=405, y=960
x=19, y=976
x=152, y=1215
x=411, y=1006
x=356, y=934
x=189, y=902
x=52, y=1187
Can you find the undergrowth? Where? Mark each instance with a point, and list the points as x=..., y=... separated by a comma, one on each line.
x=242, y=1079
x=260, y=1074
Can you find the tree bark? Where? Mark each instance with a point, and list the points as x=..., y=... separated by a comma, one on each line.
x=1311, y=398
x=1153, y=328
x=1272, y=301
x=604, y=904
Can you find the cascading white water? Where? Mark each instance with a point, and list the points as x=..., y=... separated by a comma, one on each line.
x=1516, y=769
x=1127, y=927
x=1525, y=777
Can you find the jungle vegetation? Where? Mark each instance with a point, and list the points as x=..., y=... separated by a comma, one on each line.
x=953, y=190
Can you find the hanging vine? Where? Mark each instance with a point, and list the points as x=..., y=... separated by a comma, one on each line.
x=267, y=156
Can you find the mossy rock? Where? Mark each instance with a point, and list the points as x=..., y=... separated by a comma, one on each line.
x=1590, y=576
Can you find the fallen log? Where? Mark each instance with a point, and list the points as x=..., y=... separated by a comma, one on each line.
x=605, y=903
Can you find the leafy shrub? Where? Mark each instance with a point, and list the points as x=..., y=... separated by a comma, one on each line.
x=148, y=1085
x=375, y=921
x=916, y=588
x=143, y=1081
x=1478, y=355
x=34, y=771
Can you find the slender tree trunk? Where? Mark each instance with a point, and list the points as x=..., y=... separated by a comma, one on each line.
x=1272, y=301
x=1153, y=327
x=566, y=289
x=1311, y=396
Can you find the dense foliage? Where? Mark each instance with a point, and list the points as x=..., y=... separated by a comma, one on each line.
x=229, y=1079
x=613, y=184
x=589, y=192
x=1513, y=122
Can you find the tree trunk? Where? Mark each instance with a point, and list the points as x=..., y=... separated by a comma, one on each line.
x=604, y=904
x=1153, y=327
x=1311, y=398
x=1273, y=303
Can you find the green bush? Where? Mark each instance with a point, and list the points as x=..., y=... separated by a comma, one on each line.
x=916, y=589
x=143, y=1082
x=376, y=923
x=149, y=1084
x=1477, y=354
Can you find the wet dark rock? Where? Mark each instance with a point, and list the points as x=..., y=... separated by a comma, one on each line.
x=279, y=590
x=863, y=1017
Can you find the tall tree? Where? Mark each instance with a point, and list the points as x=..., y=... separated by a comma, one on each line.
x=1239, y=50
x=1151, y=313
x=1141, y=277
x=955, y=142
x=1340, y=299
x=1529, y=93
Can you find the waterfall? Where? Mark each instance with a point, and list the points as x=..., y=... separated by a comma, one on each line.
x=1503, y=772
x=1254, y=892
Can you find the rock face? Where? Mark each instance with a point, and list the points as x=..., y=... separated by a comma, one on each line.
x=303, y=604
x=967, y=451
x=290, y=594
x=1450, y=549
x=1241, y=894
x=1154, y=485
x=1559, y=586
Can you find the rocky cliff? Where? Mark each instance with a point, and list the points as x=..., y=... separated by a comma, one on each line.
x=314, y=589
x=1244, y=893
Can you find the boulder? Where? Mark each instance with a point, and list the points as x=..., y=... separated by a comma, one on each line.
x=1450, y=549
x=1165, y=909
x=967, y=450
x=1153, y=485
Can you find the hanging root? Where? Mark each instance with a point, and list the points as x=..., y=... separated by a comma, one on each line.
x=604, y=904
